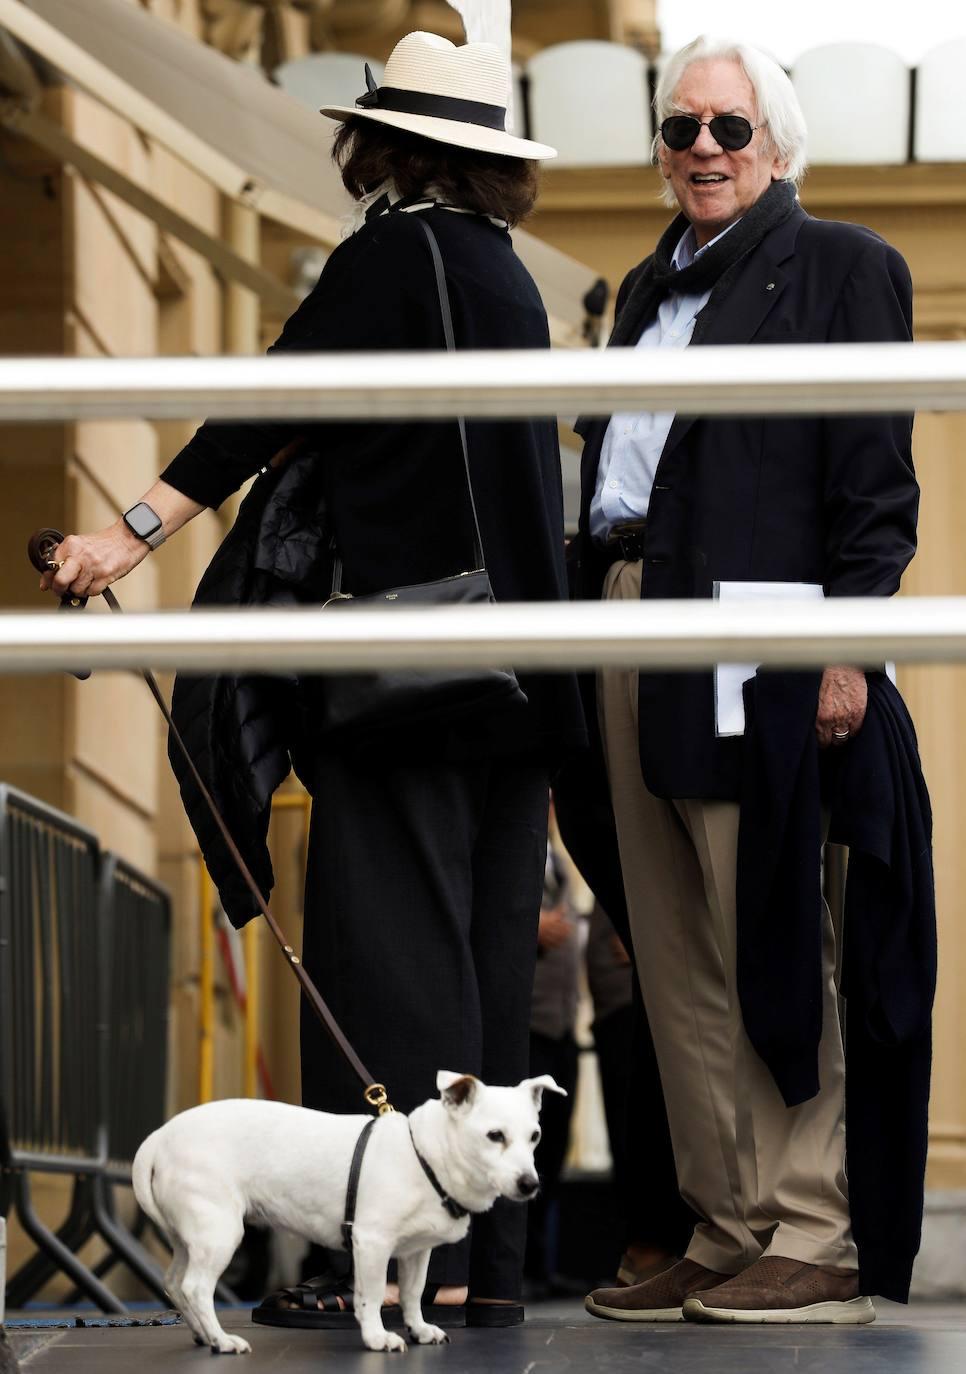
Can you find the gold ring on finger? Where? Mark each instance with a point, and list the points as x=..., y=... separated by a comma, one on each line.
x=57, y=564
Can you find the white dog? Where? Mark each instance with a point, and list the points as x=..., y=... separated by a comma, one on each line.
x=199, y=1176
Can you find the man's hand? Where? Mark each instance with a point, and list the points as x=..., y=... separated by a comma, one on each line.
x=554, y=928
x=842, y=700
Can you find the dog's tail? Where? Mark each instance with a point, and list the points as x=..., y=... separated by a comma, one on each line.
x=142, y=1178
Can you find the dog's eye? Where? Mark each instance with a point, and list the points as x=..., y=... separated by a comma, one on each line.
x=535, y=1137
x=497, y=1137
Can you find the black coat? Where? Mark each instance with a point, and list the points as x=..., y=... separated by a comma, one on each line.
x=394, y=495
x=878, y=805
x=811, y=499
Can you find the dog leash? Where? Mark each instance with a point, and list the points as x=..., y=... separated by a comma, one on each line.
x=40, y=550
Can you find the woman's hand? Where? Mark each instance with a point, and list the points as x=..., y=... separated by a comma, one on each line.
x=91, y=562
x=842, y=699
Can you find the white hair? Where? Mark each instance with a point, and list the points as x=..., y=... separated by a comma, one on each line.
x=775, y=98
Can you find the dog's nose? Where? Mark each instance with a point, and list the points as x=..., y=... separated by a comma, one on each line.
x=528, y=1184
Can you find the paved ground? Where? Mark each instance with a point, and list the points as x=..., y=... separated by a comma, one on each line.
x=924, y=1339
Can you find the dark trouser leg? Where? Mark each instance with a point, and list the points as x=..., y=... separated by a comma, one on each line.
x=559, y=1059
x=395, y=883
x=508, y=865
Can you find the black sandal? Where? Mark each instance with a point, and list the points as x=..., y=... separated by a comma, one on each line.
x=299, y=1306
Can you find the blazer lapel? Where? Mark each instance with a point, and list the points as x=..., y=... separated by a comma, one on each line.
x=754, y=296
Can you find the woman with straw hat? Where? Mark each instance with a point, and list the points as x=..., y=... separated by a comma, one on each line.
x=426, y=851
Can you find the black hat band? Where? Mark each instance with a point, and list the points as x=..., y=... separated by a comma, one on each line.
x=435, y=106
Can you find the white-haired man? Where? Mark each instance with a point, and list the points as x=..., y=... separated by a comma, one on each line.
x=677, y=507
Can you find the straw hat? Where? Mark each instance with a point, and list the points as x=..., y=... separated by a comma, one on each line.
x=450, y=94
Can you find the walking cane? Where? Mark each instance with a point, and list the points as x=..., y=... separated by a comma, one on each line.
x=40, y=550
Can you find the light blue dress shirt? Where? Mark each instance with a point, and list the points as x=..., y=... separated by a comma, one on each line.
x=633, y=444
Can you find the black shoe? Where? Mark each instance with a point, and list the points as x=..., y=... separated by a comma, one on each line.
x=494, y=1314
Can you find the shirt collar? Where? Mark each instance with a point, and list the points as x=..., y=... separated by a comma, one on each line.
x=687, y=251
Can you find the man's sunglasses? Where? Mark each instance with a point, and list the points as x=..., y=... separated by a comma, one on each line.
x=728, y=131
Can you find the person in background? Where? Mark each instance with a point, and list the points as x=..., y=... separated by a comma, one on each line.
x=654, y=1235
x=553, y=1050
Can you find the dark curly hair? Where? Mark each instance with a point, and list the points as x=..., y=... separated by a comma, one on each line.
x=369, y=153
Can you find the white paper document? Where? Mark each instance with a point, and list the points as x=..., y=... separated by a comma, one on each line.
x=729, y=706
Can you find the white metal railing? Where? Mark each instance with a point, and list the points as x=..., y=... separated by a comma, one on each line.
x=785, y=379
x=676, y=634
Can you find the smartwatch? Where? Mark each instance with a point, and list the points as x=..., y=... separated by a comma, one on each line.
x=145, y=523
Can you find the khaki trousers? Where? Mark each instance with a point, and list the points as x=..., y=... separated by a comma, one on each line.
x=764, y=1178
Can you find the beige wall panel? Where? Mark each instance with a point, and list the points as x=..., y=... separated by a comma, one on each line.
x=192, y=323
x=32, y=744
x=31, y=458
x=191, y=195
x=119, y=458
x=183, y=1047
x=113, y=820
x=179, y=873
x=111, y=294
x=117, y=142
x=115, y=734
x=32, y=249
x=937, y=699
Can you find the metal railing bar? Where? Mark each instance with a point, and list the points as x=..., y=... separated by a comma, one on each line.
x=791, y=379
x=531, y=635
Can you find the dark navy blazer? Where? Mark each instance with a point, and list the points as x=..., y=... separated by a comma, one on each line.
x=812, y=499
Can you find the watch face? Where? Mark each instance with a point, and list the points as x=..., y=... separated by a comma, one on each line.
x=142, y=520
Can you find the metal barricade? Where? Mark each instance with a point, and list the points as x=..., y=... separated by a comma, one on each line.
x=134, y=929
x=50, y=989
x=84, y=968
x=136, y=917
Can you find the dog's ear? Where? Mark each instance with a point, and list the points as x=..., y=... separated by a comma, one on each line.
x=540, y=1085
x=456, y=1089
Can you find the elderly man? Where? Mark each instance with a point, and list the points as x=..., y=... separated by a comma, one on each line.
x=672, y=507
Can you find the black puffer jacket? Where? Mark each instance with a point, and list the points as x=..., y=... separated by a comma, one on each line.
x=245, y=733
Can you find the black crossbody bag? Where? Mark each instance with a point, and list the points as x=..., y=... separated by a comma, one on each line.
x=360, y=702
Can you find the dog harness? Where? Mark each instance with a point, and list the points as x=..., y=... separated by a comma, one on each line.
x=455, y=1209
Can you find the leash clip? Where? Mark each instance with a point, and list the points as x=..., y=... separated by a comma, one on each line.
x=377, y=1097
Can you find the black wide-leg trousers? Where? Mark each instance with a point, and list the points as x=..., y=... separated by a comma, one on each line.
x=422, y=898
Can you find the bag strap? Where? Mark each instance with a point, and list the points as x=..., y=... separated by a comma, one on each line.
x=449, y=336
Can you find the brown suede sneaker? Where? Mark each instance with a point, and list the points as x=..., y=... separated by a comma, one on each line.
x=783, y=1290
x=657, y=1300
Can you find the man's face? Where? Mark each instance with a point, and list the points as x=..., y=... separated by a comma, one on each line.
x=715, y=187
